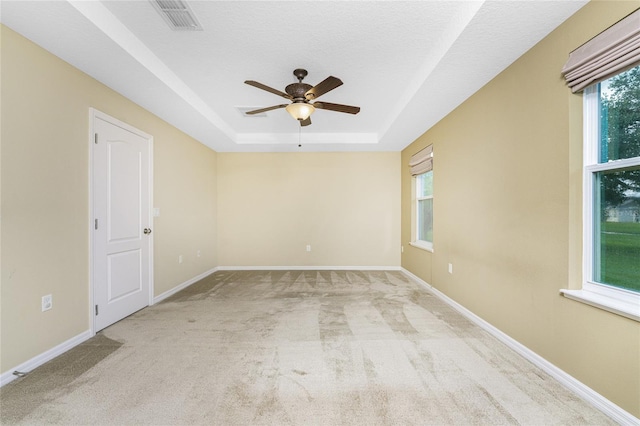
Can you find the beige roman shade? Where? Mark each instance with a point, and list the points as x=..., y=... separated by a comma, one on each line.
x=612, y=51
x=421, y=161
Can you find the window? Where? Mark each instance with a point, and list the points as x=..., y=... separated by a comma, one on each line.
x=612, y=195
x=421, y=164
x=424, y=210
x=612, y=170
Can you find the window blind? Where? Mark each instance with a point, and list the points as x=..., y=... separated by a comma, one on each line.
x=614, y=50
x=421, y=161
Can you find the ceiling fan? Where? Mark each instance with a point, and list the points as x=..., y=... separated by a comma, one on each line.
x=300, y=94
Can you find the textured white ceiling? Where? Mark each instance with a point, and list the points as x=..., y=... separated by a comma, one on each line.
x=405, y=63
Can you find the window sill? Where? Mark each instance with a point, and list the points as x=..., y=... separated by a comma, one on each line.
x=620, y=302
x=422, y=245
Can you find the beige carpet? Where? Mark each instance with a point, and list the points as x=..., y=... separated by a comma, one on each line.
x=294, y=348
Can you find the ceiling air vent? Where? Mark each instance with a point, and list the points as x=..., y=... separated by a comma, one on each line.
x=177, y=14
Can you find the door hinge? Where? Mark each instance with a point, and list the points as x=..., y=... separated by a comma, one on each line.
x=96, y=310
x=96, y=224
x=95, y=138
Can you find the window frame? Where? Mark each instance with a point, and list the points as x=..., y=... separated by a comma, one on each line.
x=415, y=242
x=613, y=299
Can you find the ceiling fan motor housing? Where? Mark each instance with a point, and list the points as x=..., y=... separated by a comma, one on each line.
x=297, y=91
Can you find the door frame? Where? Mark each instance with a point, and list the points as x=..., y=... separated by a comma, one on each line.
x=93, y=114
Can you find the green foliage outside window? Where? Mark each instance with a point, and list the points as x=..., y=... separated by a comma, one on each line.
x=617, y=260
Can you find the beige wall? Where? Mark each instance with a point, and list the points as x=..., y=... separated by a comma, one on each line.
x=45, y=205
x=345, y=205
x=507, y=214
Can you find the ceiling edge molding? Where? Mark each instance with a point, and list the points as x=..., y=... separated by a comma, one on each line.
x=430, y=63
x=111, y=26
x=308, y=138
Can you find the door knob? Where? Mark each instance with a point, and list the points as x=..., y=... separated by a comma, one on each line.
x=147, y=231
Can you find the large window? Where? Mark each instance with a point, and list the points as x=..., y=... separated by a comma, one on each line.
x=421, y=165
x=607, y=69
x=612, y=193
x=614, y=173
x=424, y=210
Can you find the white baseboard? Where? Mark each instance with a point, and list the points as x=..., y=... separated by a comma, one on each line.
x=583, y=391
x=184, y=285
x=309, y=268
x=38, y=360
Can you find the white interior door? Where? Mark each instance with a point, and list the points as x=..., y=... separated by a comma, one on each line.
x=122, y=240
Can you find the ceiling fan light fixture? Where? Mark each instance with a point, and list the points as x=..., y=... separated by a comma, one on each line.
x=300, y=110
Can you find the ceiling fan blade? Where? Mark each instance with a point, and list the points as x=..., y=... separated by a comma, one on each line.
x=258, y=111
x=323, y=87
x=337, y=107
x=268, y=89
x=305, y=122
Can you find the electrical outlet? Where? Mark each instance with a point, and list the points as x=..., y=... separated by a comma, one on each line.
x=451, y=268
x=180, y=259
x=198, y=253
x=308, y=247
x=47, y=302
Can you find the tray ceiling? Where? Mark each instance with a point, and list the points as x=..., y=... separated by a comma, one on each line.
x=405, y=63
